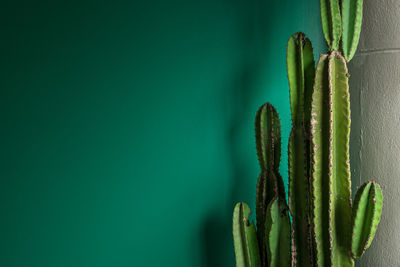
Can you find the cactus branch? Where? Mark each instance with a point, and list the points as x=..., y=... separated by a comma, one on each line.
x=351, y=25
x=278, y=234
x=244, y=237
x=331, y=22
x=367, y=212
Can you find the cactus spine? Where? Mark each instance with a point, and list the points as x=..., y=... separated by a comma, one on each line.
x=326, y=230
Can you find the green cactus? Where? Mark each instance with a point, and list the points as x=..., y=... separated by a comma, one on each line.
x=301, y=72
x=351, y=25
x=320, y=130
x=270, y=183
x=331, y=23
x=326, y=231
x=367, y=212
x=330, y=131
x=277, y=234
x=245, y=237
x=268, y=138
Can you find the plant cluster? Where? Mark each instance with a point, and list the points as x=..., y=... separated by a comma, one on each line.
x=319, y=225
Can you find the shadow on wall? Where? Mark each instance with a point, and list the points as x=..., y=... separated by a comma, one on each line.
x=255, y=24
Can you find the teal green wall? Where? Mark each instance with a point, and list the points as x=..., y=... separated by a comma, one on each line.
x=127, y=126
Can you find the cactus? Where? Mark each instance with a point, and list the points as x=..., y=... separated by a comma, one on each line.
x=270, y=183
x=367, y=212
x=277, y=234
x=326, y=230
x=301, y=71
x=351, y=25
x=331, y=23
x=245, y=238
x=320, y=169
x=330, y=131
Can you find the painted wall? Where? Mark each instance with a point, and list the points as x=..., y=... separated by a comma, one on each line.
x=127, y=126
x=375, y=145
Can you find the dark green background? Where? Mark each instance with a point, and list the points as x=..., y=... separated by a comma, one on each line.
x=127, y=126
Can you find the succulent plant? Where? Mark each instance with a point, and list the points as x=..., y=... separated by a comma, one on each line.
x=326, y=228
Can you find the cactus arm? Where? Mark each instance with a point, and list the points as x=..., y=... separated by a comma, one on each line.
x=320, y=162
x=340, y=201
x=295, y=70
x=331, y=22
x=351, y=24
x=268, y=137
x=301, y=71
x=367, y=212
x=245, y=238
x=278, y=234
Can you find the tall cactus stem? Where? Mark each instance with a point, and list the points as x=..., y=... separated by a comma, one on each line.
x=340, y=194
x=320, y=162
x=270, y=184
x=301, y=72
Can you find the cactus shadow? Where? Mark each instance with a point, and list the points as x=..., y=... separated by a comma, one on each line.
x=216, y=230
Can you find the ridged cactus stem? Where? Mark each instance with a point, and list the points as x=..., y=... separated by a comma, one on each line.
x=301, y=71
x=331, y=166
x=340, y=199
x=270, y=184
x=320, y=164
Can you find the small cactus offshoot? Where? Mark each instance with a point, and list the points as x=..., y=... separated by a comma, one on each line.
x=326, y=228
